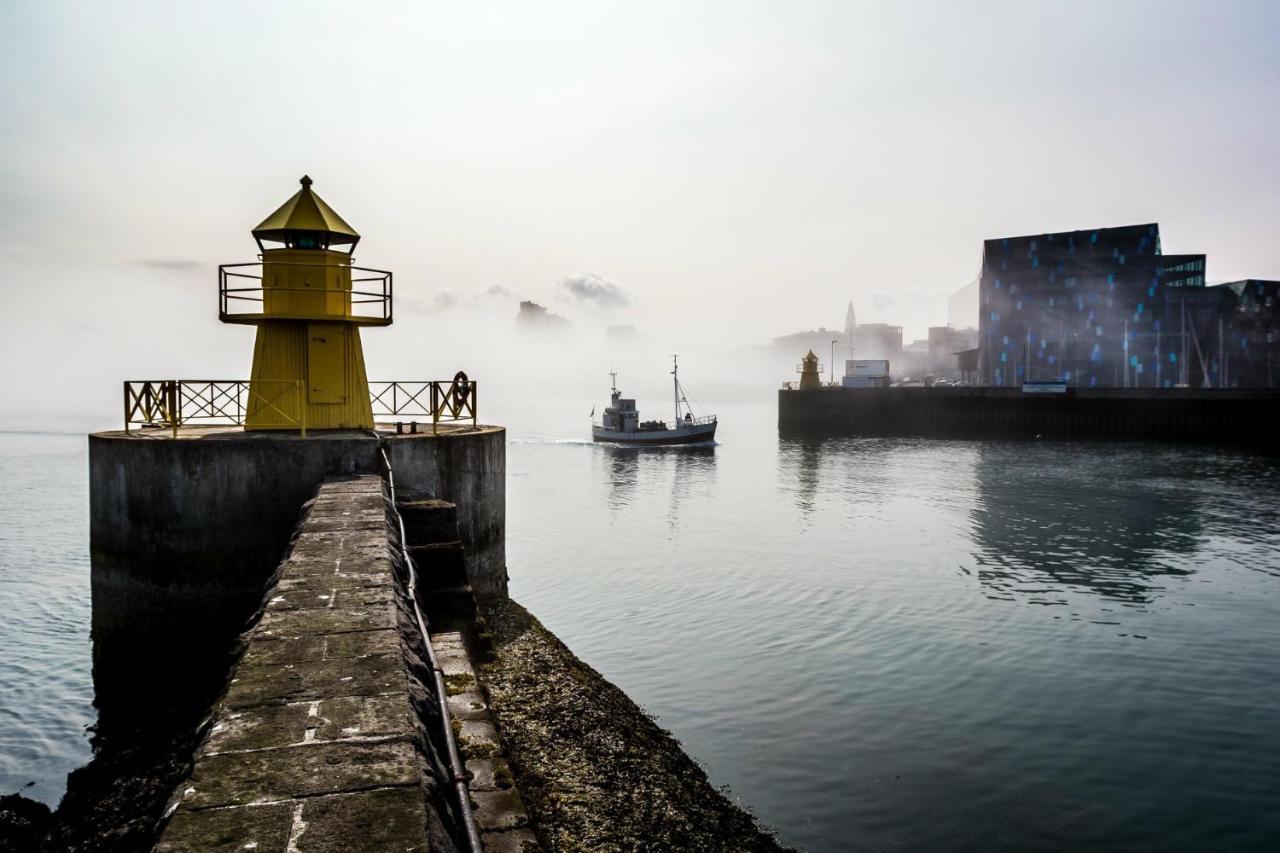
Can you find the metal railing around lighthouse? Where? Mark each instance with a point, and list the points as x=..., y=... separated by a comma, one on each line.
x=244, y=296
x=281, y=404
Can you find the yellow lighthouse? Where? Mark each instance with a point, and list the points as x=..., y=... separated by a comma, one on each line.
x=308, y=366
x=810, y=378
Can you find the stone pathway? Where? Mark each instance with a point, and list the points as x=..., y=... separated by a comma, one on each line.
x=313, y=746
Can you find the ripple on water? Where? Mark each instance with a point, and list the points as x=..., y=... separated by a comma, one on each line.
x=46, y=689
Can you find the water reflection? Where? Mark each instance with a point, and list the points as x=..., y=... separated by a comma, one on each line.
x=1117, y=522
x=690, y=469
x=799, y=460
x=623, y=472
x=849, y=471
x=693, y=477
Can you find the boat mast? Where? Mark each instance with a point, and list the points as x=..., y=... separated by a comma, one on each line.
x=613, y=382
x=675, y=389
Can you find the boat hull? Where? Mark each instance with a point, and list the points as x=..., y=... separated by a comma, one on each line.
x=655, y=438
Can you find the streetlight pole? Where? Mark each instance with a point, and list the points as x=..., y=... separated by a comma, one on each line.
x=833, y=362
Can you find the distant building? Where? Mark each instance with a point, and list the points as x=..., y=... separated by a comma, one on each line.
x=1096, y=308
x=534, y=316
x=819, y=340
x=962, y=307
x=623, y=332
x=879, y=340
x=1250, y=346
x=945, y=342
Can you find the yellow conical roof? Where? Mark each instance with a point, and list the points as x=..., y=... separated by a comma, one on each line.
x=306, y=211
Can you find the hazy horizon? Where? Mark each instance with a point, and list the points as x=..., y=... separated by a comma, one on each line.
x=715, y=174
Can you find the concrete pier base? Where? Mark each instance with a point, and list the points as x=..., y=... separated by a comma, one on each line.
x=186, y=531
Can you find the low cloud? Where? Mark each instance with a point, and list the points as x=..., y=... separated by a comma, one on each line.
x=171, y=264
x=448, y=300
x=594, y=291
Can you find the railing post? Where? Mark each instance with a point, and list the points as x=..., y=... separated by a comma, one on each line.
x=174, y=415
x=475, y=405
x=435, y=407
x=126, y=406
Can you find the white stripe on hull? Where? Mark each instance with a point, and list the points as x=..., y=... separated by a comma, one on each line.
x=701, y=432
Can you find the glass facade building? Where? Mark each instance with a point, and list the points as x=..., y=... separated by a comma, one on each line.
x=1097, y=308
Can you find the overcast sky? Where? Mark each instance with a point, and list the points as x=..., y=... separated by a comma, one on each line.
x=724, y=172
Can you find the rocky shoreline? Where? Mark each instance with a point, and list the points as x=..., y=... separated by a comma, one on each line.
x=595, y=771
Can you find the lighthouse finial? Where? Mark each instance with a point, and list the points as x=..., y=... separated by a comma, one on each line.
x=305, y=181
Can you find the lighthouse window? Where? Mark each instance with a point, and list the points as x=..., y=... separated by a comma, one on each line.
x=306, y=240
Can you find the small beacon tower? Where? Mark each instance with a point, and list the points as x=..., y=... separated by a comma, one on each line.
x=308, y=364
x=809, y=378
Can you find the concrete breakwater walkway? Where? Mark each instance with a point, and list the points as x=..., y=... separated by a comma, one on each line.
x=324, y=739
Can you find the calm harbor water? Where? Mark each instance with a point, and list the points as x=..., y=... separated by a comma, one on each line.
x=876, y=644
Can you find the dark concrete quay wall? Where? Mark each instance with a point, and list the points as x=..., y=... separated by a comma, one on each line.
x=469, y=471
x=210, y=512
x=185, y=533
x=1196, y=415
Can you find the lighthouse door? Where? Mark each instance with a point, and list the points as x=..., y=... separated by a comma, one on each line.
x=326, y=357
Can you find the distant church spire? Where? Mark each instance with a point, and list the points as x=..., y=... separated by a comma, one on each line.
x=850, y=323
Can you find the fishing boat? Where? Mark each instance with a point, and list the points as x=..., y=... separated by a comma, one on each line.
x=622, y=424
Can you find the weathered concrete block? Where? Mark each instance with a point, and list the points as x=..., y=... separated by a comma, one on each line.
x=478, y=737
x=362, y=717
x=390, y=820
x=262, y=829
x=265, y=651
x=454, y=663
x=294, y=682
x=360, y=644
x=300, y=599
x=296, y=623
x=468, y=706
x=501, y=809
x=489, y=774
x=259, y=728
x=511, y=841
x=241, y=778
